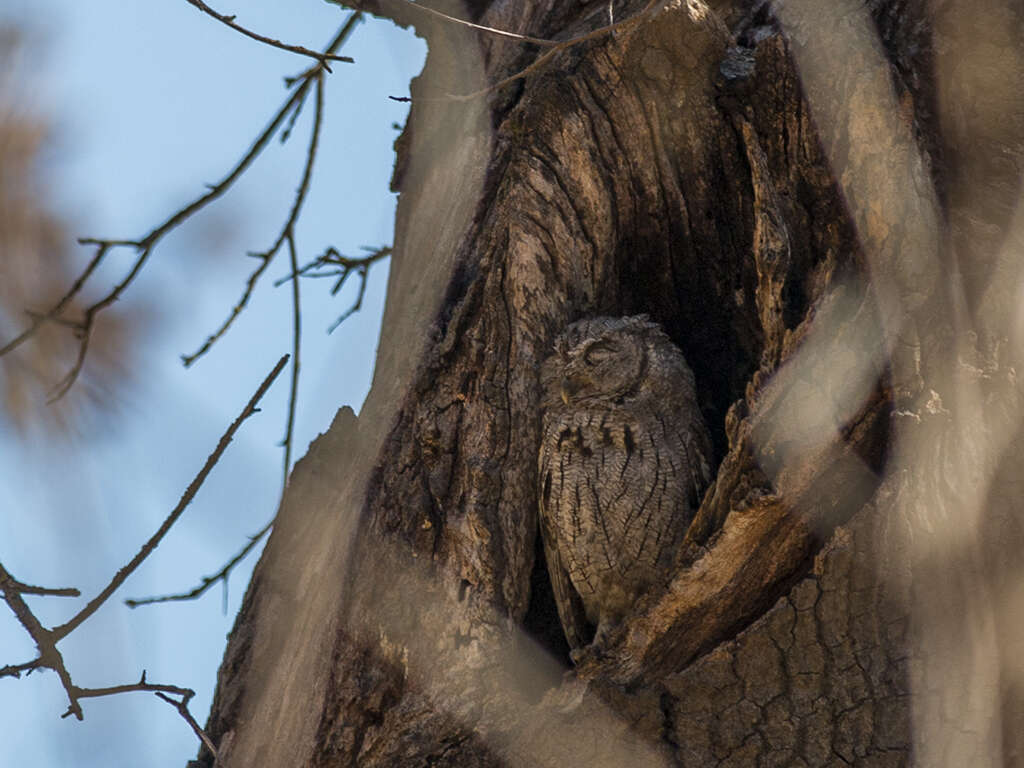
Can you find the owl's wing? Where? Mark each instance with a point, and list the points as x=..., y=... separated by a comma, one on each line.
x=567, y=600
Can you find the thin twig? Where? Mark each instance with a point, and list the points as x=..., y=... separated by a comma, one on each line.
x=144, y=246
x=337, y=262
x=490, y=30
x=142, y=685
x=334, y=264
x=208, y=581
x=20, y=609
x=296, y=343
x=29, y=589
x=323, y=58
x=64, y=629
x=15, y=670
x=652, y=8
x=362, y=271
x=46, y=639
x=286, y=132
x=224, y=572
x=267, y=256
x=46, y=642
x=61, y=305
x=182, y=707
x=554, y=46
x=161, y=691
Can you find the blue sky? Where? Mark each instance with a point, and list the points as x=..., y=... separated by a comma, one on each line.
x=150, y=101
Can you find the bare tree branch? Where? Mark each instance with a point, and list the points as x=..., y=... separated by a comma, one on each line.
x=182, y=707
x=555, y=47
x=490, y=30
x=296, y=343
x=12, y=596
x=250, y=408
x=28, y=589
x=46, y=642
x=333, y=264
x=15, y=670
x=208, y=581
x=144, y=246
x=55, y=311
x=161, y=691
x=267, y=256
x=142, y=685
x=225, y=571
x=46, y=639
x=649, y=10
x=323, y=58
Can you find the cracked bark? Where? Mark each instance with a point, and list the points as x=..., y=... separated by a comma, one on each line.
x=820, y=209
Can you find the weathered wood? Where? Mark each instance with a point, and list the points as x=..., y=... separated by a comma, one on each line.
x=788, y=197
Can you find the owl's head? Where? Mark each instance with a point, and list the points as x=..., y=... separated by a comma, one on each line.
x=611, y=360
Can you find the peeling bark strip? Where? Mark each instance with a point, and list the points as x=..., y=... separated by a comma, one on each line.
x=820, y=210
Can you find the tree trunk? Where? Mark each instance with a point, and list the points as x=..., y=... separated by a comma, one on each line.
x=818, y=201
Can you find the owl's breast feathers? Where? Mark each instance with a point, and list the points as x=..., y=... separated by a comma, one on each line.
x=618, y=493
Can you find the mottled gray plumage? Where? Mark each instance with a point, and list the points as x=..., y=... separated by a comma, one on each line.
x=623, y=462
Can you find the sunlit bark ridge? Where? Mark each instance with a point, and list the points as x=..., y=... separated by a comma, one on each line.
x=818, y=203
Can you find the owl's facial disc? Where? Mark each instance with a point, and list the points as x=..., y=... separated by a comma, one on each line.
x=610, y=367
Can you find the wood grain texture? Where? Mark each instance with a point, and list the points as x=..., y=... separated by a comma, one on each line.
x=792, y=202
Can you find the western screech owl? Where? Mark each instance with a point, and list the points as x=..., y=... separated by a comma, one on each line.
x=624, y=460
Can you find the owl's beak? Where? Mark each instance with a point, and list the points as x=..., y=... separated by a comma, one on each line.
x=570, y=386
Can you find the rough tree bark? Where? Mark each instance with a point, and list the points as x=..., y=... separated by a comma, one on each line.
x=819, y=203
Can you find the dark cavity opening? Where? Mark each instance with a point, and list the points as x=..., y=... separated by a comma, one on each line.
x=541, y=621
